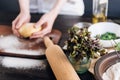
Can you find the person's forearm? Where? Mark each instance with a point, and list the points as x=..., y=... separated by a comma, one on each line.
x=58, y=5
x=24, y=6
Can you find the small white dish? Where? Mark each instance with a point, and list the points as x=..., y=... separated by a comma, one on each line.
x=82, y=24
x=103, y=27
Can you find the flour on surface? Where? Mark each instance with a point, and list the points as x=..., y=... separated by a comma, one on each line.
x=10, y=41
x=24, y=51
x=12, y=44
x=21, y=63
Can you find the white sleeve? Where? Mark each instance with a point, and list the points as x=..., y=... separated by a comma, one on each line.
x=72, y=7
x=33, y=6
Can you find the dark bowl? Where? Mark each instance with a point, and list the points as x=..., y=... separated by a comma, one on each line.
x=104, y=63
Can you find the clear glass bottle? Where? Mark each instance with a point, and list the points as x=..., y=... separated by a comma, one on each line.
x=100, y=11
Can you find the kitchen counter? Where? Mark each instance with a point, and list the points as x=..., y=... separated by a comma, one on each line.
x=62, y=23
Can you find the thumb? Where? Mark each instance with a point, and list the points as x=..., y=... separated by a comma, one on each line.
x=39, y=24
x=19, y=24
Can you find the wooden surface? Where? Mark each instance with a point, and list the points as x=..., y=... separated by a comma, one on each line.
x=33, y=44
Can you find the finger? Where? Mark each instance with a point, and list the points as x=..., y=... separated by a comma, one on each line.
x=36, y=36
x=39, y=23
x=16, y=33
x=14, y=24
x=14, y=27
x=45, y=31
x=40, y=33
x=19, y=24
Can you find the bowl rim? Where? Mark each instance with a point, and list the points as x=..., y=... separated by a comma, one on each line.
x=112, y=57
x=104, y=41
x=86, y=24
x=106, y=23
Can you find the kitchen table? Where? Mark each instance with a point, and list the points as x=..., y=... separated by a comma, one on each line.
x=62, y=23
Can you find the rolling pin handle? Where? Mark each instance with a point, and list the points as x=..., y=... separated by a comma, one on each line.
x=48, y=42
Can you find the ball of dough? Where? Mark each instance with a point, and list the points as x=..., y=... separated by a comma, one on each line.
x=28, y=29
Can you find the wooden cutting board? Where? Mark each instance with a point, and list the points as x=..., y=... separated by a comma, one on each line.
x=33, y=44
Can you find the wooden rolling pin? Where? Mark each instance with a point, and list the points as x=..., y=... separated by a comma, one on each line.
x=59, y=63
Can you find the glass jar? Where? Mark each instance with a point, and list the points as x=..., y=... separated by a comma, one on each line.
x=81, y=66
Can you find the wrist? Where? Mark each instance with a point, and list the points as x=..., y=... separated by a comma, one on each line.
x=25, y=11
x=24, y=6
x=25, y=14
x=54, y=13
x=57, y=7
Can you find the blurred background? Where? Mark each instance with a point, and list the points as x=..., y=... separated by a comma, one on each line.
x=113, y=11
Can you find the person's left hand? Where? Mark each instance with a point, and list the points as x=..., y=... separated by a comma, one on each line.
x=46, y=22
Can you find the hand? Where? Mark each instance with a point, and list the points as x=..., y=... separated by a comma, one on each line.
x=46, y=22
x=19, y=21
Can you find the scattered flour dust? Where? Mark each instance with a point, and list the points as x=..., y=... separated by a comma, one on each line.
x=10, y=41
x=24, y=51
x=11, y=44
x=20, y=63
x=112, y=73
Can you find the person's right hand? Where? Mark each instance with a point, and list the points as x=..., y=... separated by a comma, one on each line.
x=19, y=21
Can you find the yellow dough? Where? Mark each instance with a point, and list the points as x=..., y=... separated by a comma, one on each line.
x=27, y=29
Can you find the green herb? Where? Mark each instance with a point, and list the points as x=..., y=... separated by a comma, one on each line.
x=108, y=36
x=117, y=46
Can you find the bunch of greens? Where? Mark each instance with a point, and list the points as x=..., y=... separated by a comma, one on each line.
x=80, y=44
